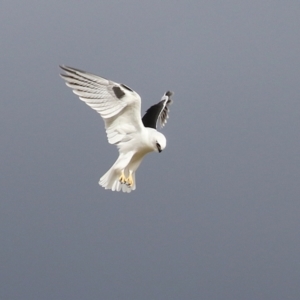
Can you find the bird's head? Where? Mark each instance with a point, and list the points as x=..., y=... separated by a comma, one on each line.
x=160, y=142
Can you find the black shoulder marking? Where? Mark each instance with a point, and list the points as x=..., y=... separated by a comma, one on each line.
x=151, y=116
x=118, y=92
x=126, y=87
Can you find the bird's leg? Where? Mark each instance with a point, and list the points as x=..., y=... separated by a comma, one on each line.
x=122, y=178
x=129, y=180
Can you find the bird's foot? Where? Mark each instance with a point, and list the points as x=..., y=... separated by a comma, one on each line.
x=129, y=181
x=122, y=178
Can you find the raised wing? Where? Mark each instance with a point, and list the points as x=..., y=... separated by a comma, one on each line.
x=158, y=112
x=118, y=105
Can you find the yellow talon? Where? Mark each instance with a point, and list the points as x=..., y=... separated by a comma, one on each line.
x=122, y=178
x=129, y=180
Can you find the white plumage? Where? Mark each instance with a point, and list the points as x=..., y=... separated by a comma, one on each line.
x=120, y=108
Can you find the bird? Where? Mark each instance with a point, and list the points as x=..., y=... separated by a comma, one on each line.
x=120, y=108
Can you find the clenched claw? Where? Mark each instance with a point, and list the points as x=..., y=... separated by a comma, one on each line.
x=122, y=178
x=129, y=181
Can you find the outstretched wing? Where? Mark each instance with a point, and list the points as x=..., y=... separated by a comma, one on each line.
x=118, y=105
x=158, y=112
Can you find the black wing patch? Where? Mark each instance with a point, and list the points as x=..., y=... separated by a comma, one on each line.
x=157, y=112
x=118, y=92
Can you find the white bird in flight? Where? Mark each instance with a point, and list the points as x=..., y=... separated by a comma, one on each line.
x=120, y=108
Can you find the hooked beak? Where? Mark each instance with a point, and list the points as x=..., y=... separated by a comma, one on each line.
x=158, y=147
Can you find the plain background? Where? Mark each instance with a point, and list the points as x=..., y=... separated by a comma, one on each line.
x=215, y=215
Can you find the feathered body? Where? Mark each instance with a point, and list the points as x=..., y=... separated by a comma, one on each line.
x=120, y=108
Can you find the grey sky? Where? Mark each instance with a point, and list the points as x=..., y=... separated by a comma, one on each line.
x=216, y=215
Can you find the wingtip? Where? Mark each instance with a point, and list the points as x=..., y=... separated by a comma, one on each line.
x=167, y=97
x=70, y=69
x=63, y=75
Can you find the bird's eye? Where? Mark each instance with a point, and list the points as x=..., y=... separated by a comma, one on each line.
x=158, y=147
